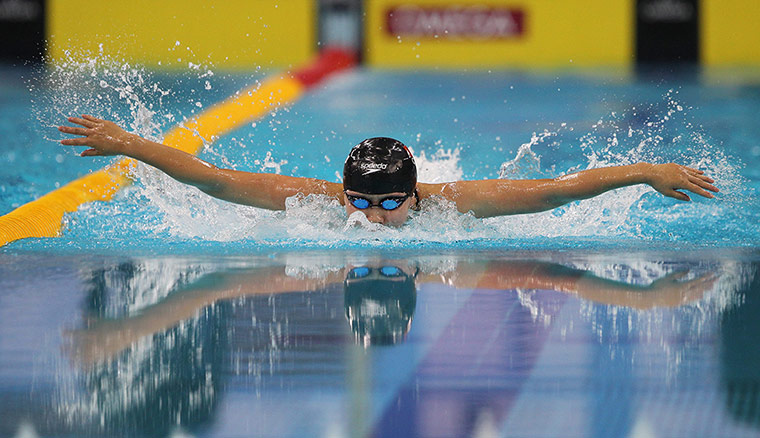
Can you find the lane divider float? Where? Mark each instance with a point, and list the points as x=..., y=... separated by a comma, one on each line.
x=43, y=217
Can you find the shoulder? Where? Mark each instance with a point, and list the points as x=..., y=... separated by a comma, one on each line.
x=426, y=190
x=315, y=186
x=450, y=190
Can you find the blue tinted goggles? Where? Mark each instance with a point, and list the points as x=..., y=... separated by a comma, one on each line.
x=389, y=203
x=385, y=271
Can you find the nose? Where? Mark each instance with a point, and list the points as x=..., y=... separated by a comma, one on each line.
x=375, y=216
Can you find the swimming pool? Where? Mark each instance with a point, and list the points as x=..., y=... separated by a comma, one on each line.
x=168, y=313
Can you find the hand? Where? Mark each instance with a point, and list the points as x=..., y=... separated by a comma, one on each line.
x=667, y=178
x=670, y=291
x=102, y=136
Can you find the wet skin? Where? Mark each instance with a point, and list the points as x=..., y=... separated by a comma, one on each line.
x=377, y=214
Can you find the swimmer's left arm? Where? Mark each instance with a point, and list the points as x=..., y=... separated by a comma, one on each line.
x=498, y=197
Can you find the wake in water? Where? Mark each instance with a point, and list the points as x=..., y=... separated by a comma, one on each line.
x=158, y=207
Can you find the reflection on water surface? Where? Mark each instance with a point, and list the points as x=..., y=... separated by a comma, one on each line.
x=355, y=345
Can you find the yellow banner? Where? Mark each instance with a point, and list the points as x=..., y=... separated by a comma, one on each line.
x=229, y=34
x=499, y=33
x=728, y=33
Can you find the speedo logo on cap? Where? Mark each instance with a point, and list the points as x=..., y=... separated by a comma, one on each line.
x=373, y=166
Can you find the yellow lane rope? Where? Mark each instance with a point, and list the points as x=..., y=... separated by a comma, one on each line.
x=43, y=217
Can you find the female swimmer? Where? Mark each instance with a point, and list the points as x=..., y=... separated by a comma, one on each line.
x=380, y=178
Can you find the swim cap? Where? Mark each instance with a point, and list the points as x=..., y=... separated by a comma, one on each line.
x=380, y=165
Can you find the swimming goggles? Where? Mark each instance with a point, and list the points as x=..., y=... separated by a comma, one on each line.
x=389, y=203
x=385, y=271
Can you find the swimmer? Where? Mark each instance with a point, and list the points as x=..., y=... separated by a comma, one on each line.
x=380, y=178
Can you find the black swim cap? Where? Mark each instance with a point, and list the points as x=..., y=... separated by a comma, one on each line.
x=380, y=165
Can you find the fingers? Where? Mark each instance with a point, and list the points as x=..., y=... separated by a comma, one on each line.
x=698, y=183
x=678, y=195
x=698, y=286
x=92, y=118
x=697, y=174
x=88, y=122
x=80, y=141
x=74, y=130
x=703, y=183
x=90, y=153
x=693, y=170
x=706, y=280
x=695, y=188
x=84, y=122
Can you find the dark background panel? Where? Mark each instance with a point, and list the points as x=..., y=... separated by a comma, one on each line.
x=667, y=31
x=22, y=30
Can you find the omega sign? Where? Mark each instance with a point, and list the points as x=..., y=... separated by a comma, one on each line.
x=455, y=22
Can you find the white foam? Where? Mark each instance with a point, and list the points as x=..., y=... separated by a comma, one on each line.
x=441, y=166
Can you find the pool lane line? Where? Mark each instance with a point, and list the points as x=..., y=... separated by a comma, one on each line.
x=43, y=217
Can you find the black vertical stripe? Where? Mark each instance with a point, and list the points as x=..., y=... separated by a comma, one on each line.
x=22, y=30
x=667, y=31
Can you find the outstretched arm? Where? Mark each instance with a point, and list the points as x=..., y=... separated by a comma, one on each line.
x=263, y=190
x=498, y=197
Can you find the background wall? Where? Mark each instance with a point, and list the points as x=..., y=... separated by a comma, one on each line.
x=567, y=33
x=729, y=32
x=232, y=33
x=499, y=33
x=389, y=33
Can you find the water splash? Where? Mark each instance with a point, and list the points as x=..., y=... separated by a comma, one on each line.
x=665, y=134
x=527, y=163
x=441, y=166
x=131, y=95
x=104, y=87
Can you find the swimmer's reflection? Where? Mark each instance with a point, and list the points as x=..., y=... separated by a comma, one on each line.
x=379, y=302
x=162, y=364
x=379, y=297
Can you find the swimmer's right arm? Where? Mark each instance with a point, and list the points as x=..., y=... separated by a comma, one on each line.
x=262, y=190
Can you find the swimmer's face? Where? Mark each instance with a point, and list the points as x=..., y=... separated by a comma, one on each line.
x=378, y=214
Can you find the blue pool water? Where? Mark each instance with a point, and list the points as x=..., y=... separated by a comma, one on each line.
x=167, y=313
